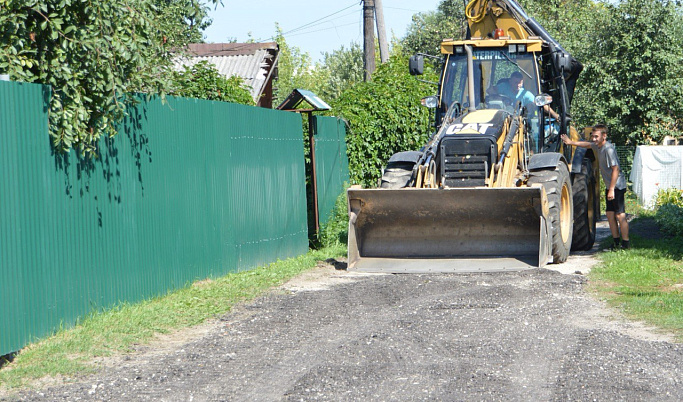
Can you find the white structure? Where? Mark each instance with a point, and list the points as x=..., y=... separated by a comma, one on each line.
x=656, y=167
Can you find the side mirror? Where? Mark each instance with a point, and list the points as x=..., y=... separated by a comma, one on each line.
x=416, y=65
x=562, y=62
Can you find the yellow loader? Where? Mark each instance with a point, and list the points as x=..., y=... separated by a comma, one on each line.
x=495, y=188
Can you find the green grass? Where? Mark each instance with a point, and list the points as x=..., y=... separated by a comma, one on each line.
x=71, y=352
x=645, y=282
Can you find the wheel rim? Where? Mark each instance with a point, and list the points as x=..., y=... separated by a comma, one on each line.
x=565, y=213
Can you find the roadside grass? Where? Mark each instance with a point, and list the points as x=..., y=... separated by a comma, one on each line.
x=74, y=351
x=645, y=282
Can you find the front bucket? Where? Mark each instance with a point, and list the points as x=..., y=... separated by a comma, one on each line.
x=447, y=230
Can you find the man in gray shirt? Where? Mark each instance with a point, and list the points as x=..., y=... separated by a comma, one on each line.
x=614, y=182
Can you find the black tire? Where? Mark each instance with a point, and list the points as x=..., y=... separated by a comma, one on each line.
x=559, y=190
x=586, y=208
x=397, y=175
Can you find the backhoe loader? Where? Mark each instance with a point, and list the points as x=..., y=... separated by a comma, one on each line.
x=494, y=188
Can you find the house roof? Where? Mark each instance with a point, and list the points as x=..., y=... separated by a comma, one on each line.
x=253, y=62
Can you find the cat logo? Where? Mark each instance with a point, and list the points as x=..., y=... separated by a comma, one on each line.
x=457, y=128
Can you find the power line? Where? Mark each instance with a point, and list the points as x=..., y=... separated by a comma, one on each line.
x=319, y=19
x=323, y=22
x=315, y=23
x=404, y=9
x=324, y=29
x=311, y=24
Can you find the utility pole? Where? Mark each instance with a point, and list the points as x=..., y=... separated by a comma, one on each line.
x=381, y=32
x=368, y=38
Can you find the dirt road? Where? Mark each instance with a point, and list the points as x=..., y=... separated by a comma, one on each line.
x=333, y=335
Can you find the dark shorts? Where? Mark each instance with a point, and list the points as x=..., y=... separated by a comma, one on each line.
x=617, y=205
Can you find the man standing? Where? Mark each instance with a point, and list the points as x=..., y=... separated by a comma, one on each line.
x=614, y=182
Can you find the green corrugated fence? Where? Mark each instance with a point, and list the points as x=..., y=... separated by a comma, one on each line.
x=332, y=163
x=187, y=190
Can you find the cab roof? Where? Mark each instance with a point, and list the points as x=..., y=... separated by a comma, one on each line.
x=533, y=44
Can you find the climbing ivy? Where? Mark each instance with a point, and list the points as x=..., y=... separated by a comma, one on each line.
x=385, y=116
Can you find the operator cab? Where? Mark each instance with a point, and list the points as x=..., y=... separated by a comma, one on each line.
x=506, y=73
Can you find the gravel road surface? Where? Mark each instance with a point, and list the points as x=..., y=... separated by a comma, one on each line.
x=333, y=335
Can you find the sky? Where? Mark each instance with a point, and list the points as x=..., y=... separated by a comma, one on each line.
x=314, y=26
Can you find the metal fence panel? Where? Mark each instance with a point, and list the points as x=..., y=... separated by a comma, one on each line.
x=332, y=163
x=187, y=190
x=22, y=115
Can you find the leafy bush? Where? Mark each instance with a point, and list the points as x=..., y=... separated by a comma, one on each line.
x=669, y=196
x=336, y=229
x=385, y=117
x=669, y=213
x=203, y=81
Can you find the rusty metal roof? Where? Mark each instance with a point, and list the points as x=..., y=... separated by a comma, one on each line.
x=253, y=62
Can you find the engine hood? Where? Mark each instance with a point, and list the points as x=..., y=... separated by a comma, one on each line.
x=486, y=121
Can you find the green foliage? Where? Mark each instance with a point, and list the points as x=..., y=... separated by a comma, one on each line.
x=633, y=69
x=427, y=30
x=335, y=231
x=385, y=117
x=340, y=69
x=295, y=69
x=203, y=81
x=187, y=18
x=672, y=196
x=669, y=214
x=93, y=55
x=670, y=219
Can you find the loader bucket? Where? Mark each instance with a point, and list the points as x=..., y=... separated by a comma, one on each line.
x=447, y=230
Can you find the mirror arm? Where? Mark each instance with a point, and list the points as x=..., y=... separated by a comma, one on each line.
x=428, y=55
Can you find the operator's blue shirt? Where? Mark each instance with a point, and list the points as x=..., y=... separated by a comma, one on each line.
x=525, y=96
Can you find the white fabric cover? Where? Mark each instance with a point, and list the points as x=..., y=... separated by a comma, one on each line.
x=656, y=167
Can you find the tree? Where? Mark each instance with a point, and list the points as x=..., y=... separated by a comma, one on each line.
x=340, y=69
x=574, y=24
x=294, y=69
x=203, y=81
x=634, y=73
x=188, y=18
x=427, y=30
x=94, y=54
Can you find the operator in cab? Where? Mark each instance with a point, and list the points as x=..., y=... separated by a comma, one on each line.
x=521, y=94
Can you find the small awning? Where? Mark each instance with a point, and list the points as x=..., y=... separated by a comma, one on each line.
x=297, y=96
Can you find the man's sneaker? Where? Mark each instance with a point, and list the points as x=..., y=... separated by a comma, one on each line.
x=625, y=245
